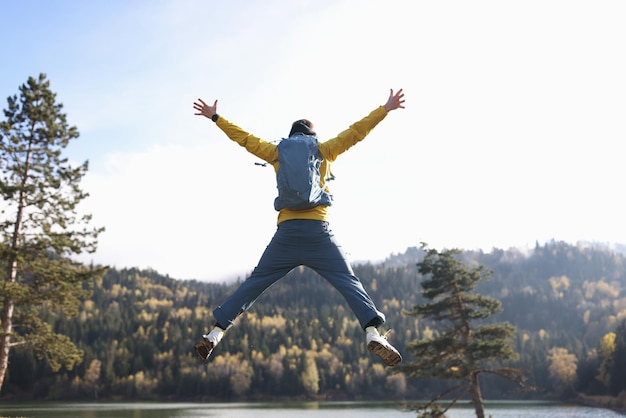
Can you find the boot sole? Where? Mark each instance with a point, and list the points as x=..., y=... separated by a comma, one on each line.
x=203, y=349
x=389, y=357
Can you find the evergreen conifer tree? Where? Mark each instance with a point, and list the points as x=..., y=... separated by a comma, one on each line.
x=461, y=350
x=40, y=228
x=617, y=374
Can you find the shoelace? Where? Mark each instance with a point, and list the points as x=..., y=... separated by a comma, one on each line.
x=386, y=333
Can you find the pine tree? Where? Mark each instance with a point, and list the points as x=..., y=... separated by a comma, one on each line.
x=617, y=376
x=40, y=226
x=461, y=350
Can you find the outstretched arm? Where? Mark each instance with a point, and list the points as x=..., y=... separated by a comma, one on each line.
x=395, y=101
x=332, y=148
x=262, y=149
x=204, y=109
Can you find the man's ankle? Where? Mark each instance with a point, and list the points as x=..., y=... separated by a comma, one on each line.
x=215, y=336
x=372, y=330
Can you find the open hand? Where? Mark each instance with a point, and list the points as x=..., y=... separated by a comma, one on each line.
x=395, y=101
x=204, y=109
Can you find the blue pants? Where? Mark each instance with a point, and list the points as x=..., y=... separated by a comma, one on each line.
x=301, y=242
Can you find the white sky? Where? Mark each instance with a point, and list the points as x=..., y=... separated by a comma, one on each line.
x=512, y=133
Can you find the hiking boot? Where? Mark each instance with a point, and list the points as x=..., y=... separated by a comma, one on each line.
x=204, y=348
x=378, y=345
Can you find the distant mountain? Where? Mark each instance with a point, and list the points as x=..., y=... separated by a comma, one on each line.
x=301, y=341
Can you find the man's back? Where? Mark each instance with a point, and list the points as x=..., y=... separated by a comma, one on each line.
x=298, y=177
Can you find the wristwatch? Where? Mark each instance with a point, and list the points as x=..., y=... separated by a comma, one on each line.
x=215, y=117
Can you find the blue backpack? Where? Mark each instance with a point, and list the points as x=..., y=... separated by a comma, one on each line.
x=298, y=175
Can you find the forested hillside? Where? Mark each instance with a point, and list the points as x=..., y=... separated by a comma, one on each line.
x=300, y=340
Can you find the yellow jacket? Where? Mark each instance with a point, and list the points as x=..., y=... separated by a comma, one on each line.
x=330, y=150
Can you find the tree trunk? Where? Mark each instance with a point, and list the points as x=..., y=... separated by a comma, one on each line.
x=11, y=277
x=7, y=320
x=477, y=397
x=5, y=340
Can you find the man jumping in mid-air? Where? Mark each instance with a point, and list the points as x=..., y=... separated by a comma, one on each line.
x=303, y=236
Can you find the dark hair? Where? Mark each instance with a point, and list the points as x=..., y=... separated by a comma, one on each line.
x=302, y=126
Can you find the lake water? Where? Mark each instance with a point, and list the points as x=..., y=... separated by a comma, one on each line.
x=284, y=410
